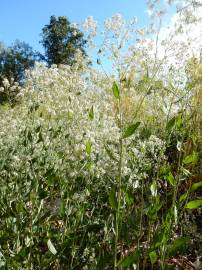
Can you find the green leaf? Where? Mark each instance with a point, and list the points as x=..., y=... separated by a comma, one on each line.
x=115, y=90
x=171, y=179
x=40, y=139
x=38, y=129
x=91, y=114
x=153, y=189
x=153, y=257
x=29, y=136
x=130, y=130
x=130, y=259
x=178, y=246
x=146, y=133
x=179, y=122
x=129, y=198
x=153, y=209
x=164, y=170
x=194, y=204
x=113, y=200
x=88, y=147
x=62, y=208
x=171, y=123
x=51, y=247
x=191, y=159
x=196, y=186
x=183, y=197
x=158, y=237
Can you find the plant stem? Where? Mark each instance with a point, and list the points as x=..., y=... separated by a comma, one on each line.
x=117, y=215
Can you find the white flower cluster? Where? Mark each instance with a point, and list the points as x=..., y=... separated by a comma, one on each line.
x=69, y=116
x=115, y=23
x=64, y=111
x=90, y=25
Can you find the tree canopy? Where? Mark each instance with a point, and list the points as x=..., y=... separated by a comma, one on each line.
x=14, y=60
x=61, y=40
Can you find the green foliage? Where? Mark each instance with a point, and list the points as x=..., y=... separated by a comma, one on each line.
x=178, y=246
x=61, y=40
x=153, y=257
x=116, y=90
x=191, y=159
x=14, y=60
x=129, y=259
x=91, y=113
x=88, y=147
x=196, y=186
x=194, y=204
x=130, y=130
x=113, y=199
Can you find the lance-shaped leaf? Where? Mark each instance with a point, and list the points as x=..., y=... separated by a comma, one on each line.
x=51, y=247
x=115, y=90
x=88, y=147
x=113, y=200
x=91, y=114
x=171, y=124
x=130, y=130
x=196, y=186
x=171, y=179
x=153, y=257
x=194, y=204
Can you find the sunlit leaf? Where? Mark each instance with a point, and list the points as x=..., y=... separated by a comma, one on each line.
x=194, y=204
x=171, y=179
x=115, y=90
x=183, y=197
x=191, y=159
x=153, y=256
x=51, y=247
x=88, y=147
x=153, y=188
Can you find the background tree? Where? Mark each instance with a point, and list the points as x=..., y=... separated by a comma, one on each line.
x=14, y=60
x=61, y=41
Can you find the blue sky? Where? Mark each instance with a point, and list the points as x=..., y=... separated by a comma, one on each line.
x=24, y=19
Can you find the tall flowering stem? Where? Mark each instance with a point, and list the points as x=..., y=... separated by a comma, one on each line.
x=117, y=94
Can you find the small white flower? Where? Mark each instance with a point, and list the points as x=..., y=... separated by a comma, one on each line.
x=90, y=25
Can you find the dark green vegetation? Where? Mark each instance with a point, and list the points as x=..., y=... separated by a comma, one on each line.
x=14, y=61
x=61, y=40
